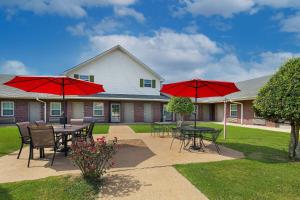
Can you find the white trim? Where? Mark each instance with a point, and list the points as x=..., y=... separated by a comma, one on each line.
x=98, y=109
x=51, y=109
x=230, y=110
x=2, y=102
x=119, y=47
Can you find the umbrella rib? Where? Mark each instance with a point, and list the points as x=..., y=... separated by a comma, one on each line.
x=214, y=89
x=79, y=88
x=222, y=85
x=30, y=90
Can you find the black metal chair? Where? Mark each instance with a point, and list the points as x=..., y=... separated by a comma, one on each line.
x=88, y=136
x=24, y=135
x=156, y=129
x=178, y=134
x=212, y=136
x=41, y=137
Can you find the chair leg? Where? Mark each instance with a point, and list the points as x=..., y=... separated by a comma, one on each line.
x=30, y=156
x=53, y=156
x=182, y=142
x=20, y=150
x=31, y=151
x=172, y=143
x=218, y=149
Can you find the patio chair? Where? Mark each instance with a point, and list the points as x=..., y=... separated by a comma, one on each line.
x=177, y=133
x=40, y=123
x=41, y=137
x=156, y=129
x=24, y=135
x=212, y=136
x=89, y=133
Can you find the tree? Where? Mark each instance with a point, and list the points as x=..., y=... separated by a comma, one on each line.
x=279, y=99
x=181, y=106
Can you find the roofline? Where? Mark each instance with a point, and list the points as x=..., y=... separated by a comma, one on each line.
x=85, y=98
x=229, y=99
x=109, y=51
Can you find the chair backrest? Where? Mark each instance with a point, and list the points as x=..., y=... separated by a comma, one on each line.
x=76, y=121
x=41, y=136
x=90, y=130
x=178, y=124
x=23, y=130
x=216, y=133
x=40, y=123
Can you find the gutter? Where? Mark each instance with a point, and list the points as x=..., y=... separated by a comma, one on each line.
x=45, y=108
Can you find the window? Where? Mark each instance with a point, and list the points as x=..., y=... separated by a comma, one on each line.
x=55, y=109
x=84, y=77
x=7, y=108
x=233, y=110
x=147, y=83
x=98, y=109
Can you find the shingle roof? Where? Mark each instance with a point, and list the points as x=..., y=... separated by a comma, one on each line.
x=248, y=90
x=7, y=92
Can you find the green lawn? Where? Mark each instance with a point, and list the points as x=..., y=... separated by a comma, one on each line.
x=141, y=128
x=9, y=139
x=265, y=173
x=101, y=128
x=52, y=188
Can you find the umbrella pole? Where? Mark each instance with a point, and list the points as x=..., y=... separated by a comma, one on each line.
x=195, y=122
x=64, y=102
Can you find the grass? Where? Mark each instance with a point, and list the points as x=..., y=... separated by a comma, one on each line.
x=101, y=128
x=141, y=128
x=54, y=188
x=9, y=139
x=265, y=173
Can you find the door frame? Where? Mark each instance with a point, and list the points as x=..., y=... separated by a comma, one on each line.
x=110, y=112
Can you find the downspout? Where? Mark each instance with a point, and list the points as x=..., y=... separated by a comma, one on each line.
x=225, y=118
x=242, y=110
x=45, y=108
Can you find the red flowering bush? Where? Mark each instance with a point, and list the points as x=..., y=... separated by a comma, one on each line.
x=95, y=157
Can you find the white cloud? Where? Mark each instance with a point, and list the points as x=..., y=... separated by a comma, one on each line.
x=291, y=24
x=229, y=8
x=14, y=67
x=71, y=8
x=225, y=8
x=105, y=26
x=180, y=56
x=125, y=11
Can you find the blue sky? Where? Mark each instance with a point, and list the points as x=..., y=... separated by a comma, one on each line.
x=180, y=39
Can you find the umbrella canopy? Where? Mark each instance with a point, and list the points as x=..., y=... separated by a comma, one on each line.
x=58, y=85
x=198, y=88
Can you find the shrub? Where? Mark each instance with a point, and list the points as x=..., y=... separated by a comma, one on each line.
x=181, y=106
x=93, y=158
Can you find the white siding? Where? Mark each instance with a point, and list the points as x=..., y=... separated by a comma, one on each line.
x=119, y=74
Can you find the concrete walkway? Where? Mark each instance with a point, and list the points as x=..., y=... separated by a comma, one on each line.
x=143, y=167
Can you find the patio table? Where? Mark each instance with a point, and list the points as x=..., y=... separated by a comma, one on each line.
x=68, y=130
x=192, y=131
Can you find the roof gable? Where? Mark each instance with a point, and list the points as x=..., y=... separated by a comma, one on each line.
x=117, y=47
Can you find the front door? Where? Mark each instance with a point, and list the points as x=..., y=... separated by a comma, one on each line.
x=115, y=112
x=35, y=111
x=77, y=110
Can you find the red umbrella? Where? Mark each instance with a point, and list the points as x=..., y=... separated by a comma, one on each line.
x=198, y=88
x=59, y=85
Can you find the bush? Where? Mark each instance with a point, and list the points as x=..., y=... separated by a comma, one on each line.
x=93, y=158
x=180, y=105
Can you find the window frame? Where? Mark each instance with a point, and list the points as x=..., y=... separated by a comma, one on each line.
x=231, y=110
x=146, y=85
x=2, y=108
x=80, y=75
x=51, y=109
x=94, y=106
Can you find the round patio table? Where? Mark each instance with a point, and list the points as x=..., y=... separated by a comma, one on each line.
x=194, y=132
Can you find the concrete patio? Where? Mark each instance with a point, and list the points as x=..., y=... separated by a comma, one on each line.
x=143, y=167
